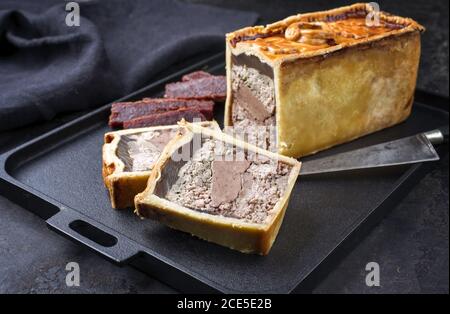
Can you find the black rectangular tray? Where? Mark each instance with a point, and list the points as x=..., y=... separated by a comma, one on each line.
x=58, y=177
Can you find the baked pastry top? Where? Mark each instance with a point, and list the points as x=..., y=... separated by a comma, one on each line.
x=318, y=33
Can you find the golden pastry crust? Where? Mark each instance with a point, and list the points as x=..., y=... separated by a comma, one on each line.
x=335, y=94
x=230, y=232
x=360, y=92
x=289, y=49
x=124, y=185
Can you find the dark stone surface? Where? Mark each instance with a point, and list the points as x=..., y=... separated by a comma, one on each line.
x=410, y=244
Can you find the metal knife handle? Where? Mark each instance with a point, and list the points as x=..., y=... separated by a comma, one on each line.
x=438, y=136
x=444, y=131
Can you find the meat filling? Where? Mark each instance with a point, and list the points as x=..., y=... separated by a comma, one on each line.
x=140, y=151
x=253, y=109
x=221, y=180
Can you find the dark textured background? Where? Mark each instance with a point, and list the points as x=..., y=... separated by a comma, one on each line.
x=410, y=244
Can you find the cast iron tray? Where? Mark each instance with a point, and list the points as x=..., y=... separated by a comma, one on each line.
x=58, y=177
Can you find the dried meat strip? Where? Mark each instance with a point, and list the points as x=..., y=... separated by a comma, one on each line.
x=195, y=76
x=124, y=111
x=206, y=88
x=165, y=118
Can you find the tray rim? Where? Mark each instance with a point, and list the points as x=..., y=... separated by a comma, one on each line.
x=7, y=179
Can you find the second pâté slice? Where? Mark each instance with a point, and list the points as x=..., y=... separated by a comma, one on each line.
x=219, y=189
x=128, y=157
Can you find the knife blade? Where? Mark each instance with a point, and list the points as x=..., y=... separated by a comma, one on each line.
x=413, y=149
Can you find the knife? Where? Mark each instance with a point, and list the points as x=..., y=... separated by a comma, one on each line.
x=409, y=150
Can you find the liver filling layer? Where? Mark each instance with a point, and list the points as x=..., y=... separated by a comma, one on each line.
x=140, y=151
x=223, y=181
x=253, y=108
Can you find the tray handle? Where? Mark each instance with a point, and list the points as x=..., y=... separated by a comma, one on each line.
x=81, y=229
